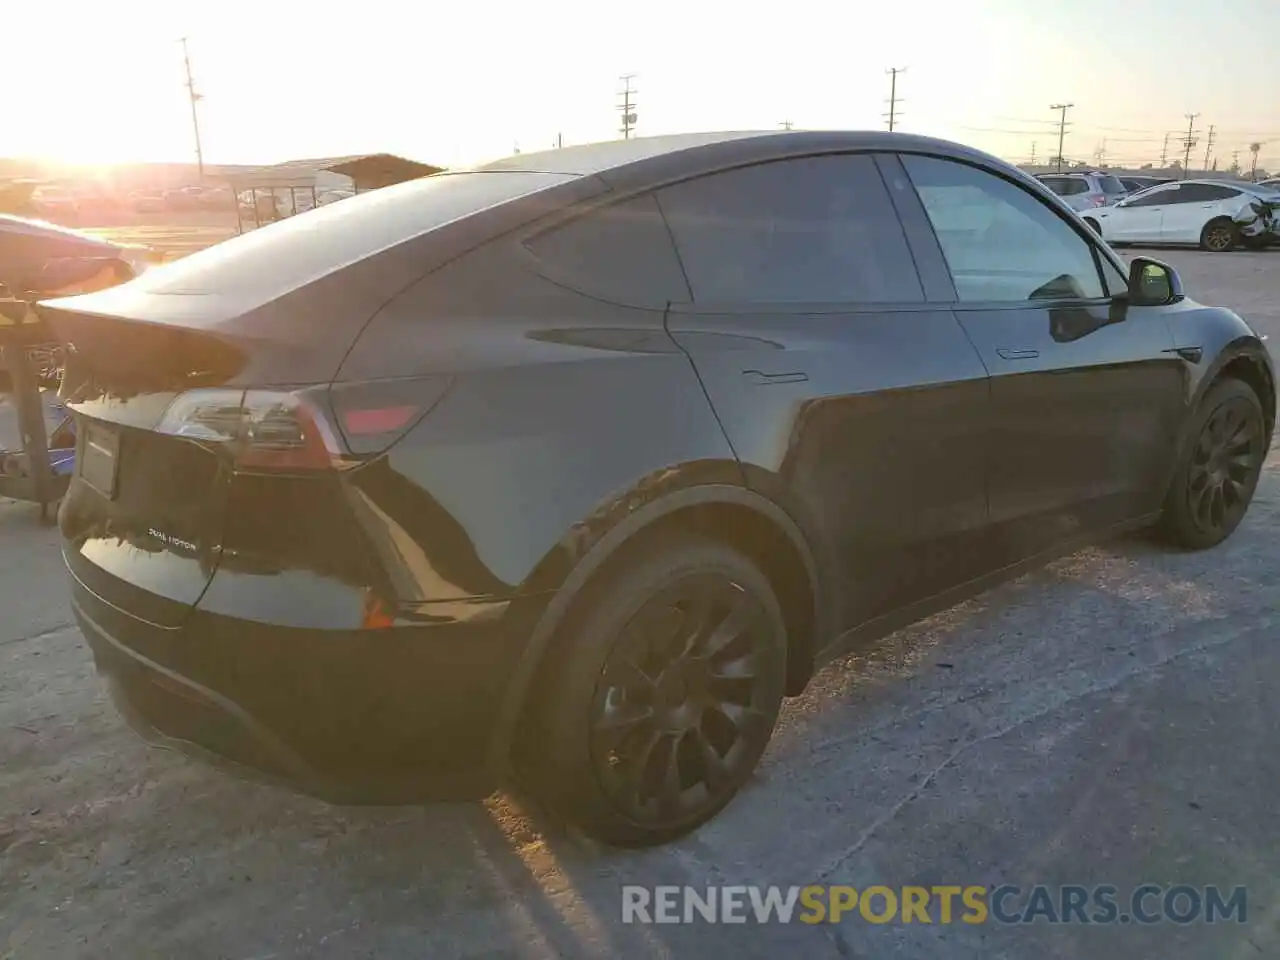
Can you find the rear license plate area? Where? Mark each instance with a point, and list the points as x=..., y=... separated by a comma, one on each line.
x=99, y=458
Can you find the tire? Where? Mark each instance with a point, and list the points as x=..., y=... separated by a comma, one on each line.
x=1218, y=468
x=1219, y=236
x=662, y=694
x=1093, y=225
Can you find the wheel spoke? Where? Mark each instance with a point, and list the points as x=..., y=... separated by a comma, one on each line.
x=618, y=721
x=745, y=667
x=1217, y=506
x=742, y=614
x=670, y=790
x=715, y=771
x=622, y=672
x=742, y=717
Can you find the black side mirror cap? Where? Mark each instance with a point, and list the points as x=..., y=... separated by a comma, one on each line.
x=1153, y=283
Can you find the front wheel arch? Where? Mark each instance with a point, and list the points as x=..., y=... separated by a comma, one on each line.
x=737, y=516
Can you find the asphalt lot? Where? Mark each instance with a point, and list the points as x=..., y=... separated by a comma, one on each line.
x=1109, y=720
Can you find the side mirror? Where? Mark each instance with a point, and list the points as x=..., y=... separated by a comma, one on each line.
x=1153, y=284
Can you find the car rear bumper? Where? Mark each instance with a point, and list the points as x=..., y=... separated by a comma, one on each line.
x=401, y=715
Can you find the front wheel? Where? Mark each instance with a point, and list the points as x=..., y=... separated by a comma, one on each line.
x=1219, y=468
x=663, y=694
x=1219, y=236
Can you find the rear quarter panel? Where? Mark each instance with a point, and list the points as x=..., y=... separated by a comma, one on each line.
x=564, y=414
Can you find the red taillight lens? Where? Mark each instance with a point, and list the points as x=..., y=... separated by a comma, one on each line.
x=262, y=430
x=1099, y=201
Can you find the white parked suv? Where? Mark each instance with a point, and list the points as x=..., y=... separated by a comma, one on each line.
x=1215, y=215
x=1085, y=191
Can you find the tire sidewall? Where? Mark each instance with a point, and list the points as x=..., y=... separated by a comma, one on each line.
x=1178, y=521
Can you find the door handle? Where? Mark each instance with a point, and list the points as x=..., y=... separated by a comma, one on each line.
x=1007, y=353
x=761, y=379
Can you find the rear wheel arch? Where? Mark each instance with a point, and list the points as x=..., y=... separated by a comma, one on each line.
x=735, y=516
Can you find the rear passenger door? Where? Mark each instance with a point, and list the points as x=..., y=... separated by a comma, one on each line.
x=847, y=396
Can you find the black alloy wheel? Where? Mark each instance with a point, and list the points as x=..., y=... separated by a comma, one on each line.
x=1216, y=482
x=686, y=696
x=678, y=670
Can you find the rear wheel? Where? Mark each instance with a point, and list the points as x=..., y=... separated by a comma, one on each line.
x=1219, y=236
x=664, y=694
x=1218, y=473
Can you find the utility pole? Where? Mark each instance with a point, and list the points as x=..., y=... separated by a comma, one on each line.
x=1188, y=142
x=1100, y=154
x=1164, y=153
x=786, y=124
x=1062, y=127
x=893, y=94
x=1033, y=153
x=1208, y=148
x=559, y=140
x=628, y=105
x=194, y=97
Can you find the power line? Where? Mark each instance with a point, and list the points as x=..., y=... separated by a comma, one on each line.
x=1188, y=142
x=194, y=98
x=1062, y=127
x=893, y=94
x=628, y=105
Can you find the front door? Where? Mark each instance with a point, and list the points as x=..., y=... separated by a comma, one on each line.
x=846, y=396
x=1139, y=219
x=1086, y=393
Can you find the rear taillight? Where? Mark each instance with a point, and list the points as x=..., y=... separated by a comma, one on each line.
x=269, y=431
x=1099, y=201
x=261, y=430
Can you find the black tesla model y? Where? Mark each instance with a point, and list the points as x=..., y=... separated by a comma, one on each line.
x=571, y=467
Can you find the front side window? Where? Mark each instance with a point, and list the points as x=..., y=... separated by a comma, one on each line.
x=1000, y=242
x=815, y=230
x=1154, y=197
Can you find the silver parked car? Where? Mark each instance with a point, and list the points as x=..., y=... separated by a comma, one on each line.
x=1085, y=191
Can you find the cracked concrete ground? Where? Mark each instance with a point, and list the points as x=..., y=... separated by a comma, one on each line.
x=1111, y=719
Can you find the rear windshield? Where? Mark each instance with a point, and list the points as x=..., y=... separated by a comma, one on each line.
x=271, y=261
x=1112, y=185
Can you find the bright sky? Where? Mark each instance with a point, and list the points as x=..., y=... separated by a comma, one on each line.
x=460, y=83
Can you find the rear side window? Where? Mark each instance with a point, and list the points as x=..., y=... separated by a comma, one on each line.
x=1112, y=185
x=1068, y=186
x=817, y=230
x=621, y=253
x=1210, y=191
